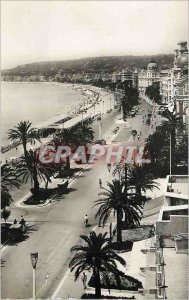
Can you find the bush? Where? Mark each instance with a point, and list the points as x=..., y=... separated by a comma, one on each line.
x=125, y=282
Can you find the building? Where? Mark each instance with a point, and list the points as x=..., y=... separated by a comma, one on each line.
x=174, y=82
x=166, y=86
x=126, y=75
x=147, y=77
x=167, y=255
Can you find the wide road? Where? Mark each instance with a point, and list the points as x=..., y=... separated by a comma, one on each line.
x=54, y=229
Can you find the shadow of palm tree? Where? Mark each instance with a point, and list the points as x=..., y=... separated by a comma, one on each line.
x=16, y=236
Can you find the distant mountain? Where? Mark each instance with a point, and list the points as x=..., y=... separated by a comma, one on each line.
x=92, y=64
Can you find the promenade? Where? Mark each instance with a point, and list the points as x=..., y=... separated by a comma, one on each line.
x=105, y=102
x=55, y=228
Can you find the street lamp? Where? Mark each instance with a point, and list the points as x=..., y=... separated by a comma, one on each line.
x=94, y=110
x=34, y=258
x=103, y=106
x=100, y=130
x=110, y=103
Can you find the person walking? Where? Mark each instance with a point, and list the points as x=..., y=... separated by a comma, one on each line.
x=84, y=280
x=86, y=220
x=100, y=182
x=22, y=223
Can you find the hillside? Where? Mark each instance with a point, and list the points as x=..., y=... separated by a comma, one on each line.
x=93, y=64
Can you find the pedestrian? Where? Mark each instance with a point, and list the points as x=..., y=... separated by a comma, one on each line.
x=84, y=280
x=138, y=137
x=15, y=221
x=6, y=161
x=140, y=132
x=47, y=277
x=16, y=148
x=100, y=182
x=86, y=220
x=22, y=222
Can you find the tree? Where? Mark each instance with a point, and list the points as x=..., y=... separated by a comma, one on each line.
x=5, y=213
x=8, y=179
x=95, y=255
x=23, y=132
x=172, y=125
x=117, y=198
x=153, y=92
x=74, y=136
x=129, y=100
x=141, y=178
x=85, y=133
x=30, y=167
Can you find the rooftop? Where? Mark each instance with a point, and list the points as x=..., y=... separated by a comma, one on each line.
x=176, y=267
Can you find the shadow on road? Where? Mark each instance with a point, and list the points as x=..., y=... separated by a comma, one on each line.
x=17, y=236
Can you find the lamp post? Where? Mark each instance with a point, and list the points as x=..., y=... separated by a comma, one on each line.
x=170, y=161
x=94, y=110
x=100, y=130
x=103, y=106
x=34, y=258
x=110, y=103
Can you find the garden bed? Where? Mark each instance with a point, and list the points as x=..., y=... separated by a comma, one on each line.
x=125, y=246
x=124, y=282
x=41, y=198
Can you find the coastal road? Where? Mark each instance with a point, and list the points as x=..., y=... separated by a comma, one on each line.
x=54, y=229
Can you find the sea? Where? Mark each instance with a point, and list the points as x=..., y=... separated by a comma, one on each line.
x=36, y=102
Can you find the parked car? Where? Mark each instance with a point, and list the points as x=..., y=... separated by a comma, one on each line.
x=100, y=142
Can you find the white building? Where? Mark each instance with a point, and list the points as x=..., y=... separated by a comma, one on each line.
x=148, y=77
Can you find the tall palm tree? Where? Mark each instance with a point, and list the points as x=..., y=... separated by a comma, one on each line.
x=74, y=136
x=8, y=179
x=173, y=124
x=67, y=137
x=118, y=198
x=23, y=132
x=140, y=177
x=30, y=167
x=85, y=133
x=95, y=255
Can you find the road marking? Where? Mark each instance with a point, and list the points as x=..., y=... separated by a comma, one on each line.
x=60, y=284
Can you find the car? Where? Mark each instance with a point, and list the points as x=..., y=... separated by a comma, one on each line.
x=100, y=142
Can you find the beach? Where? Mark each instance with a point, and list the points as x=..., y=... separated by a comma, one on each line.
x=92, y=102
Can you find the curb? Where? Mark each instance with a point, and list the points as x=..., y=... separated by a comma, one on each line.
x=20, y=203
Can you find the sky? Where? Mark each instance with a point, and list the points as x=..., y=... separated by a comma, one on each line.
x=36, y=30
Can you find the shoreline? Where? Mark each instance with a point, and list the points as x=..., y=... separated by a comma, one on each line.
x=90, y=98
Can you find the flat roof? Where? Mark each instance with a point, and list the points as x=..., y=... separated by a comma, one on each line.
x=176, y=274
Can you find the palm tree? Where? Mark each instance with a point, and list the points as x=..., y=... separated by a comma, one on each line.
x=140, y=177
x=74, y=136
x=67, y=137
x=172, y=125
x=8, y=179
x=85, y=133
x=29, y=167
x=95, y=255
x=119, y=199
x=23, y=132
